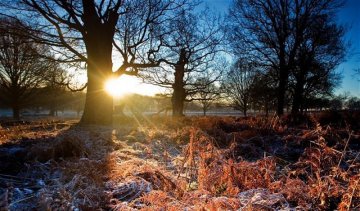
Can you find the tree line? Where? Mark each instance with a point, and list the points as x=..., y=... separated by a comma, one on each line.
x=283, y=53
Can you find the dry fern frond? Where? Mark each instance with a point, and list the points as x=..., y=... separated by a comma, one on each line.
x=351, y=199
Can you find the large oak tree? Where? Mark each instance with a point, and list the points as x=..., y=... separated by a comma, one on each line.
x=84, y=31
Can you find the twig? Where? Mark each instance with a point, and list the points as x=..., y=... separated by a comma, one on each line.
x=337, y=151
x=15, y=177
x=344, y=151
x=20, y=200
x=352, y=193
x=352, y=163
x=11, y=180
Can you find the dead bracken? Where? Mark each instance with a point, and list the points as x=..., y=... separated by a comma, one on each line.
x=207, y=163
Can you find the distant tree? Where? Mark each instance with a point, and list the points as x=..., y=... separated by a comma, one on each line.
x=318, y=103
x=54, y=94
x=137, y=104
x=22, y=69
x=353, y=103
x=273, y=31
x=77, y=102
x=163, y=103
x=338, y=102
x=84, y=31
x=238, y=83
x=189, y=50
x=263, y=93
x=208, y=94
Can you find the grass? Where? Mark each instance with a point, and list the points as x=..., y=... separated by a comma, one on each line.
x=198, y=163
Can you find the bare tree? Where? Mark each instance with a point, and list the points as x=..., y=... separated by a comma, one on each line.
x=22, y=69
x=84, y=31
x=353, y=103
x=54, y=89
x=238, y=83
x=273, y=31
x=208, y=93
x=263, y=92
x=189, y=50
x=163, y=103
x=321, y=51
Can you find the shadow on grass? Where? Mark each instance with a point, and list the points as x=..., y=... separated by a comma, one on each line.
x=176, y=163
x=54, y=165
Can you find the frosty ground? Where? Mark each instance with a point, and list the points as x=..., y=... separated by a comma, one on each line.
x=190, y=163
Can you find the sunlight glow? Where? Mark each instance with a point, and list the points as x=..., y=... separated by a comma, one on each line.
x=118, y=87
x=123, y=85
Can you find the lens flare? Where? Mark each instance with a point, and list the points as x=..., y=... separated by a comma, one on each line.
x=123, y=85
x=114, y=87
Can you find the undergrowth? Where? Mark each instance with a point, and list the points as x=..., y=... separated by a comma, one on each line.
x=199, y=163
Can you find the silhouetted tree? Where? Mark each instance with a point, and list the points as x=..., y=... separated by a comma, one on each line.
x=163, y=103
x=272, y=32
x=189, y=50
x=238, y=83
x=54, y=92
x=338, y=102
x=311, y=102
x=84, y=31
x=208, y=93
x=321, y=50
x=77, y=102
x=353, y=103
x=22, y=69
x=263, y=92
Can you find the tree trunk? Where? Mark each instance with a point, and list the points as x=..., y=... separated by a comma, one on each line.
x=52, y=107
x=266, y=109
x=52, y=112
x=179, y=94
x=204, y=111
x=98, y=39
x=15, y=105
x=98, y=104
x=297, y=101
x=282, y=90
x=178, y=99
x=16, y=111
x=283, y=75
x=245, y=108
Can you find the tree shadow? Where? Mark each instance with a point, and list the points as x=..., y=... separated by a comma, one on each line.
x=54, y=166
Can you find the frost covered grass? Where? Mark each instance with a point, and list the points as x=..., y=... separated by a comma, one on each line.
x=211, y=163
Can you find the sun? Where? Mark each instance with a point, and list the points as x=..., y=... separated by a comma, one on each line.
x=120, y=86
x=124, y=85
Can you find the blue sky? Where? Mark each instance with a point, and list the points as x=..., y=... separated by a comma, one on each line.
x=349, y=15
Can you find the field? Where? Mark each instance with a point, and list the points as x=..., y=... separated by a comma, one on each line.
x=191, y=163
